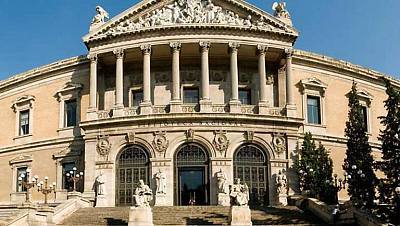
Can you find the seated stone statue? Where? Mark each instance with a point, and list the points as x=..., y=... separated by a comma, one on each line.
x=143, y=195
x=239, y=193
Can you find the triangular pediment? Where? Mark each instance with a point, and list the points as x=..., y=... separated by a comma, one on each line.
x=159, y=14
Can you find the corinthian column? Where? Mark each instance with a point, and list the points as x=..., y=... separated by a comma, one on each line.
x=119, y=79
x=92, y=88
x=290, y=105
x=234, y=103
x=145, y=106
x=265, y=97
x=175, y=104
x=205, y=103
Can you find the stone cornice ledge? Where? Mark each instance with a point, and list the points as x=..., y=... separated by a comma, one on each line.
x=58, y=65
x=344, y=65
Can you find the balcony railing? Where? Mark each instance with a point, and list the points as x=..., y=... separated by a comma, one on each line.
x=190, y=108
x=248, y=109
x=131, y=111
x=220, y=108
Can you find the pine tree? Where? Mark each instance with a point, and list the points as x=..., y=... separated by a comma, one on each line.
x=359, y=161
x=390, y=145
x=315, y=169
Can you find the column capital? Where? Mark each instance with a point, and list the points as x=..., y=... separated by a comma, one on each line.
x=233, y=45
x=175, y=46
x=146, y=48
x=92, y=57
x=119, y=53
x=204, y=45
x=261, y=49
x=289, y=53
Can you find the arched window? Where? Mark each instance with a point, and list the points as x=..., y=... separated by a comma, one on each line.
x=250, y=165
x=132, y=166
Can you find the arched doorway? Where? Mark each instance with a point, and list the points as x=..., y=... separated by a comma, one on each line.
x=192, y=175
x=250, y=165
x=132, y=166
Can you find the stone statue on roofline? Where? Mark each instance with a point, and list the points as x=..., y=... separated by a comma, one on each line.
x=281, y=12
x=239, y=193
x=100, y=17
x=143, y=195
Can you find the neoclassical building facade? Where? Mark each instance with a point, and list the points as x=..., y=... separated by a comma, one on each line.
x=187, y=88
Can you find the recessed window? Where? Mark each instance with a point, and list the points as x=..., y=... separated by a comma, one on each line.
x=245, y=96
x=313, y=110
x=137, y=97
x=67, y=182
x=70, y=113
x=364, y=114
x=191, y=95
x=21, y=174
x=24, y=122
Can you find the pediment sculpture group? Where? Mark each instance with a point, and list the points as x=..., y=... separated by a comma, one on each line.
x=187, y=12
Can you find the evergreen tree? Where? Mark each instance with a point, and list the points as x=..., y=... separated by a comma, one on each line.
x=359, y=161
x=315, y=169
x=390, y=145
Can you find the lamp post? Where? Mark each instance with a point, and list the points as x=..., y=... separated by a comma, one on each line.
x=45, y=188
x=74, y=176
x=338, y=184
x=26, y=184
x=397, y=214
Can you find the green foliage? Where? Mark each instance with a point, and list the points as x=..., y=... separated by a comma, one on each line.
x=359, y=161
x=389, y=137
x=314, y=169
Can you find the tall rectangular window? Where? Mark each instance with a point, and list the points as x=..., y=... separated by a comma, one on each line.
x=21, y=173
x=313, y=110
x=24, y=122
x=70, y=113
x=245, y=96
x=137, y=97
x=191, y=95
x=67, y=183
x=364, y=114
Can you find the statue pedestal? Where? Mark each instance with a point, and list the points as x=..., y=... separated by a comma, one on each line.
x=240, y=215
x=140, y=216
x=160, y=200
x=224, y=199
x=282, y=200
x=101, y=201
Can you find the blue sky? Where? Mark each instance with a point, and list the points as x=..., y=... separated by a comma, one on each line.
x=364, y=32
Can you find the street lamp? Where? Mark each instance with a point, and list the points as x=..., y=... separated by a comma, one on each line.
x=74, y=176
x=397, y=190
x=45, y=188
x=25, y=183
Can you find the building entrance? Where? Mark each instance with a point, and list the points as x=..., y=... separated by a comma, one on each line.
x=192, y=177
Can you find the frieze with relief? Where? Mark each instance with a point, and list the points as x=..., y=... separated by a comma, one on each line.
x=190, y=12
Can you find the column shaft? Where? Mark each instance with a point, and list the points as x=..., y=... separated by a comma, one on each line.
x=234, y=71
x=93, y=82
x=289, y=89
x=119, y=78
x=146, y=49
x=175, y=47
x=205, y=77
x=262, y=73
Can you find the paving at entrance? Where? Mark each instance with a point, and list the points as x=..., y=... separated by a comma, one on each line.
x=191, y=215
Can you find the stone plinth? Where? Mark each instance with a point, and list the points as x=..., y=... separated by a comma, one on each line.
x=74, y=195
x=234, y=106
x=175, y=106
x=240, y=215
x=160, y=200
x=145, y=108
x=263, y=108
x=205, y=106
x=224, y=199
x=101, y=201
x=140, y=216
x=282, y=200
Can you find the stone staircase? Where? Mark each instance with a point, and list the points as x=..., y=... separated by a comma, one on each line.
x=8, y=213
x=191, y=215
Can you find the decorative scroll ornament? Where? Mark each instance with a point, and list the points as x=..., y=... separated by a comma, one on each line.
x=189, y=134
x=249, y=136
x=131, y=137
x=279, y=143
x=160, y=142
x=220, y=141
x=184, y=12
x=103, y=146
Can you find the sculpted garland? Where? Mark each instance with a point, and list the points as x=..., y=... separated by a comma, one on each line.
x=187, y=12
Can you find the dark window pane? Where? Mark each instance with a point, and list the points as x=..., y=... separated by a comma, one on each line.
x=21, y=174
x=70, y=113
x=24, y=122
x=364, y=114
x=313, y=110
x=137, y=98
x=67, y=182
x=190, y=95
x=245, y=96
